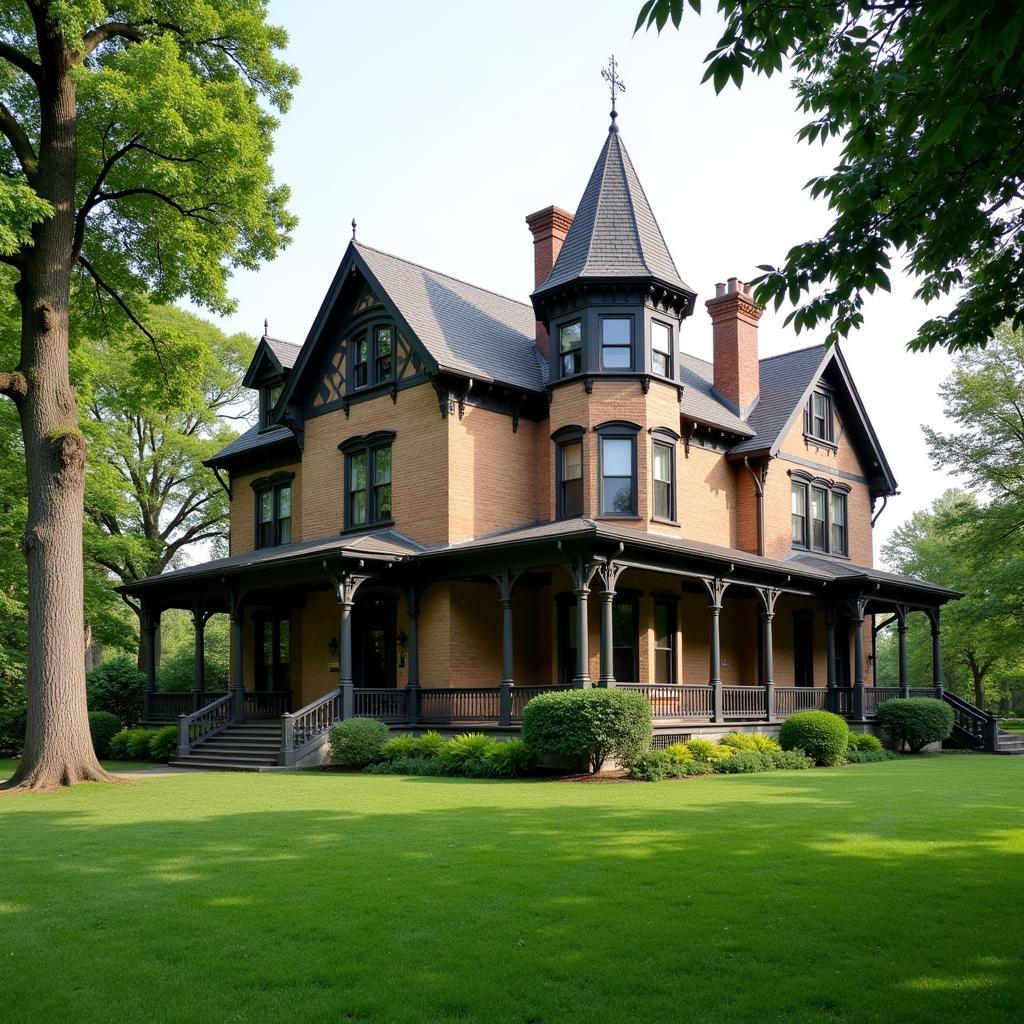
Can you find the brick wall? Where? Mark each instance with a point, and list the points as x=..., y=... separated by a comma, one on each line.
x=243, y=507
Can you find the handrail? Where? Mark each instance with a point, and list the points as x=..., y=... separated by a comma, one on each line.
x=204, y=723
x=976, y=727
x=304, y=728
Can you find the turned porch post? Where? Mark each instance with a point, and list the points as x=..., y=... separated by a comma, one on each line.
x=506, y=580
x=199, y=617
x=237, y=614
x=768, y=595
x=149, y=622
x=412, y=709
x=936, y=652
x=901, y=630
x=608, y=573
x=857, y=607
x=831, y=698
x=582, y=573
x=346, y=584
x=716, y=591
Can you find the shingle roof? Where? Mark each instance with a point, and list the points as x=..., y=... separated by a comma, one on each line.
x=848, y=570
x=699, y=402
x=784, y=379
x=614, y=232
x=465, y=329
x=285, y=352
x=252, y=440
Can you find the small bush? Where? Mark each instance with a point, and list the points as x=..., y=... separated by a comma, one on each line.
x=707, y=750
x=679, y=753
x=870, y=756
x=819, y=734
x=430, y=744
x=864, y=741
x=916, y=721
x=509, y=760
x=103, y=727
x=163, y=744
x=790, y=760
x=398, y=748
x=467, y=754
x=686, y=769
x=745, y=762
x=409, y=766
x=739, y=741
x=117, y=749
x=357, y=742
x=766, y=744
x=650, y=766
x=138, y=744
x=117, y=686
x=591, y=724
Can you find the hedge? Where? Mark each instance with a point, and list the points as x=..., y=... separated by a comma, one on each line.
x=916, y=721
x=819, y=734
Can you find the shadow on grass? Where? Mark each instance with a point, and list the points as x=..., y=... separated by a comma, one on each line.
x=796, y=898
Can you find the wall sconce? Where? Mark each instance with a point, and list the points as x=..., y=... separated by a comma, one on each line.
x=871, y=660
x=332, y=647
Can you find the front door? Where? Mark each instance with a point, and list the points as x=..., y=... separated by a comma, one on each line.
x=842, y=663
x=803, y=650
x=373, y=642
x=273, y=660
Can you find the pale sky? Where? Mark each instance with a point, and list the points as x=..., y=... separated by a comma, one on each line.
x=440, y=126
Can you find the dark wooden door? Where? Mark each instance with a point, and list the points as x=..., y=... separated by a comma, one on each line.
x=273, y=653
x=373, y=642
x=842, y=663
x=566, y=642
x=803, y=650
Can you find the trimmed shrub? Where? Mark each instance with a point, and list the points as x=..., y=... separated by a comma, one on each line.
x=164, y=743
x=707, y=750
x=591, y=724
x=409, y=766
x=430, y=744
x=686, y=769
x=117, y=748
x=650, y=766
x=870, y=756
x=679, y=753
x=357, y=742
x=103, y=727
x=819, y=734
x=117, y=686
x=745, y=762
x=138, y=742
x=398, y=748
x=789, y=760
x=467, y=754
x=915, y=722
x=509, y=760
x=864, y=741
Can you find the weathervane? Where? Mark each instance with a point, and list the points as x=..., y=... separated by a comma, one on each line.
x=611, y=75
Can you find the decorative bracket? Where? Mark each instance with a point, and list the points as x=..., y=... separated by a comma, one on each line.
x=346, y=582
x=444, y=398
x=768, y=595
x=588, y=385
x=506, y=580
x=716, y=588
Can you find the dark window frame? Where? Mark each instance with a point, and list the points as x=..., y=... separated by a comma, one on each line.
x=367, y=373
x=671, y=605
x=274, y=485
x=670, y=355
x=630, y=346
x=831, y=490
x=800, y=485
x=669, y=439
x=616, y=430
x=627, y=598
x=564, y=438
x=576, y=349
x=827, y=434
x=368, y=445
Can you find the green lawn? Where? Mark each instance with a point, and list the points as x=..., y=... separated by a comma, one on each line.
x=1014, y=726
x=8, y=764
x=887, y=892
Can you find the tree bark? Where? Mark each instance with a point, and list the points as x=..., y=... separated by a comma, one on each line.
x=58, y=747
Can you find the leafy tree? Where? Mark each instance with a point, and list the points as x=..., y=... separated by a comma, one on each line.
x=980, y=631
x=928, y=100
x=135, y=157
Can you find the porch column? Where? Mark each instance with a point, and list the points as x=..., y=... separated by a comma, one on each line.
x=936, y=652
x=901, y=630
x=199, y=617
x=716, y=591
x=346, y=584
x=769, y=596
x=149, y=622
x=609, y=573
x=506, y=580
x=238, y=660
x=581, y=571
x=412, y=708
x=831, y=698
x=857, y=618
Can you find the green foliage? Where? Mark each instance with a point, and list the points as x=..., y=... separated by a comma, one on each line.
x=137, y=745
x=12, y=700
x=870, y=756
x=591, y=724
x=916, y=722
x=863, y=741
x=410, y=766
x=119, y=687
x=688, y=769
x=163, y=744
x=949, y=143
x=117, y=749
x=707, y=750
x=472, y=755
x=399, y=747
x=430, y=744
x=651, y=766
x=510, y=759
x=103, y=726
x=357, y=742
x=819, y=734
x=745, y=762
x=790, y=760
x=756, y=742
x=467, y=754
x=679, y=753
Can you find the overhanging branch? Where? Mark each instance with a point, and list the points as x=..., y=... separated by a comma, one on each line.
x=19, y=140
x=21, y=61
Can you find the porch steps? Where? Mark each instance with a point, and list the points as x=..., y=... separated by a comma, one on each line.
x=1010, y=743
x=249, y=747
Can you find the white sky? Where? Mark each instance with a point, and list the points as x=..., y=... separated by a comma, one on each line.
x=440, y=126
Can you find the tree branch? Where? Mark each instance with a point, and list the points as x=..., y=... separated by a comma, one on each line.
x=111, y=30
x=21, y=61
x=13, y=386
x=20, y=142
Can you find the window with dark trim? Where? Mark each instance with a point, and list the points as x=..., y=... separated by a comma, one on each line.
x=273, y=510
x=568, y=472
x=372, y=350
x=819, y=516
x=383, y=346
x=269, y=396
x=665, y=620
x=663, y=473
x=799, y=513
x=818, y=417
x=838, y=541
x=624, y=638
x=570, y=348
x=661, y=348
x=617, y=448
x=368, y=479
x=616, y=342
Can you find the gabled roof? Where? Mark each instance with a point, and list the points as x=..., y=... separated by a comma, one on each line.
x=699, y=401
x=614, y=233
x=272, y=357
x=252, y=440
x=285, y=352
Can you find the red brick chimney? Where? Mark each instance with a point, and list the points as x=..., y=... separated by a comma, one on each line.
x=549, y=227
x=734, y=317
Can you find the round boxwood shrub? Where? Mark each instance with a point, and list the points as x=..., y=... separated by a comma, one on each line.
x=591, y=724
x=915, y=722
x=103, y=727
x=819, y=734
x=357, y=742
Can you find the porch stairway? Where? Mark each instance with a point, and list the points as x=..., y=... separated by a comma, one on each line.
x=248, y=747
x=1009, y=742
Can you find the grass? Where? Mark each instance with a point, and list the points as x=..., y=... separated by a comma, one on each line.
x=8, y=764
x=871, y=893
x=1012, y=725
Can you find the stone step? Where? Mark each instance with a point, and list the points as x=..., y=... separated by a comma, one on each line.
x=212, y=766
x=228, y=757
x=239, y=743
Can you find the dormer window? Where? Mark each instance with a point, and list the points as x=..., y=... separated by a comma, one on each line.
x=360, y=360
x=818, y=418
x=269, y=397
x=383, y=346
x=616, y=342
x=661, y=348
x=570, y=348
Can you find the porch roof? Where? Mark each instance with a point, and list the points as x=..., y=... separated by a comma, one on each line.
x=866, y=576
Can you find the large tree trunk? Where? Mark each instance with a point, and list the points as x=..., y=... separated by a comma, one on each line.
x=58, y=748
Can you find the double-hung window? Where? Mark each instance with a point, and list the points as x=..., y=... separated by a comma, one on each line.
x=838, y=540
x=570, y=348
x=818, y=516
x=663, y=475
x=616, y=342
x=661, y=348
x=799, y=514
x=269, y=397
x=665, y=640
x=618, y=468
x=368, y=480
x=568, y=472
x=372, y=355
x=819, y=417
x=383, y=347
x=273, y=510
x=818, y=497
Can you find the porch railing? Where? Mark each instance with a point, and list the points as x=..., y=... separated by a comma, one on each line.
x=468, y=704
x=790, y=699
x=744, y=702
x=166, y=707
x=204, y=723
x=875, y=695
x=386, y=705
x=306, y=727
x=266, y=703
x=843, y=701
x=522, y=695
x=676, y=701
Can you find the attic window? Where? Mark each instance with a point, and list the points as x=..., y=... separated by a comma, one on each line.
x=373, y=353
x=819, y=418
x=269, y=397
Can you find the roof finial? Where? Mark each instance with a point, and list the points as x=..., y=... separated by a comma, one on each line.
x=611, y=75
x=266, y=327
x=353, y=229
